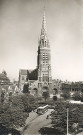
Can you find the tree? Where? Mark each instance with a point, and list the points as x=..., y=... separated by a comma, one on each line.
x=45, y=95
x=77, y=96
x=10, y=96
x=26, y=88
x=36, y=91
x=28, y=102
x=2, y=95
x=4, y=72
x=12, y=116
x=82, y=91
x=55, y=98
x=82, y=95
x=65, y=94
x=55, y=91
x=59, y=116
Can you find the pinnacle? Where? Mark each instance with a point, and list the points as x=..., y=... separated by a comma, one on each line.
x=44, y=30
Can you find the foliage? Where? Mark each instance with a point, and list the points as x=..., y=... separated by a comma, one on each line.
x=77, y=96
x=65, y=94
x=26, y=88
x=49, y=131
x=28, y=102
x=35, y=89
x=5, y=131
x=4, y=72
x=59, y=116
x=45, y=87
x=10, y=97
x=2, y=97
x=36, y=92
x=14, y=112
x=45, y=95
x=55, y=91
x=82, y=90
x=39, y=99
x=82, y=98
x=55, y=98
x=12, y=115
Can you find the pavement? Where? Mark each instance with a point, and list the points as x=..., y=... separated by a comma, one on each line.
x=34, y=122
x=32, y=115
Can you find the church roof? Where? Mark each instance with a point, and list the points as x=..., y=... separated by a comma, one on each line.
x=25, y=71
x=32, y=74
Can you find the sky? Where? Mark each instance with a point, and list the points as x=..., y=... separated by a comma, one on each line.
x=20, y=27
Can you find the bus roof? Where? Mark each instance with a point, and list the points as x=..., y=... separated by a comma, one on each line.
x=42, y=107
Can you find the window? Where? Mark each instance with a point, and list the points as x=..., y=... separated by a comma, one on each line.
x=45, y=43
x=42, y=41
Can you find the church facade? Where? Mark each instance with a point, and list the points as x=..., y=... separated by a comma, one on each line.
x=42, y=74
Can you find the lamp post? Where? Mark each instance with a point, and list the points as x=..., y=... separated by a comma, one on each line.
x=37, y=98
x=67, y=120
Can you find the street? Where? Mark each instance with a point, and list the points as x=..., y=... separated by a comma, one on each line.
x=35, y=122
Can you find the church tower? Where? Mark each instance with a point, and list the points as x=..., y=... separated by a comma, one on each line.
x=44, y=58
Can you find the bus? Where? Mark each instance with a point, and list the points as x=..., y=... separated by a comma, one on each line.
x=42, y=109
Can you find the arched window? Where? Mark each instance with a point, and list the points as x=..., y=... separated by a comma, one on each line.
x=42, y=41
x=45, y=43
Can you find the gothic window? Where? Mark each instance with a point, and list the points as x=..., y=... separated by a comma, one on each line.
x=39, y=78
x=43, y=54
x=42, y=41
x=45, y=43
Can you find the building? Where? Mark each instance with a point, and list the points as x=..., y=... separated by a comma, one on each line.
x=44, y=58
x=6, y=85
x=72, y=87
x=27, y=75
x=22, y=77
x=42, y=74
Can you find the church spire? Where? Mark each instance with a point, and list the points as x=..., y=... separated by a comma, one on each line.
x=44, y=29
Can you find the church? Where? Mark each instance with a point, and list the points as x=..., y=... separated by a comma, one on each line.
x=41, y=76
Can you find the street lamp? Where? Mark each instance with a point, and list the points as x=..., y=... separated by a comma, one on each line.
x=67, y=120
